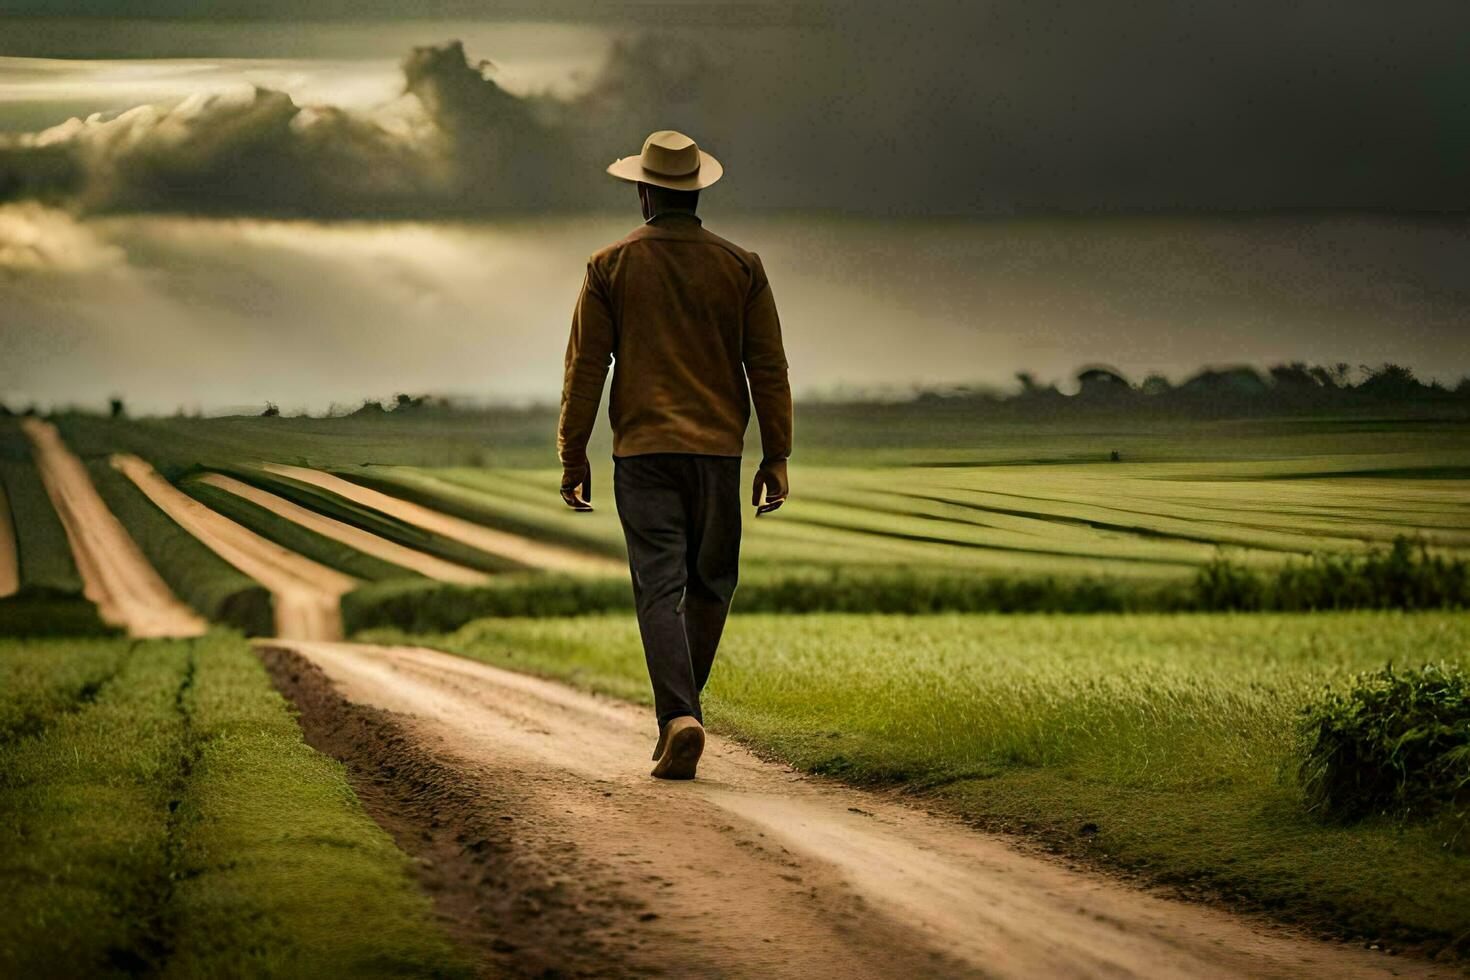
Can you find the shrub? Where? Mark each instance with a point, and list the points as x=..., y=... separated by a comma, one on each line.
x=420, y=606
x=1394, y=743
x=1404, y=576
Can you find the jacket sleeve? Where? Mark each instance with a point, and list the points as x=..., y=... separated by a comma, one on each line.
x=765, y=367
x=589, y=352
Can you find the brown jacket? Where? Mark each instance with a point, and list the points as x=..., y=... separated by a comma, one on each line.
x=689, y=318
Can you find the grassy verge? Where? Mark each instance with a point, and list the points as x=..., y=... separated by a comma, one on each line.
x=1162, y=743
x=196, y=574
x=294, y=537
x=165, y=817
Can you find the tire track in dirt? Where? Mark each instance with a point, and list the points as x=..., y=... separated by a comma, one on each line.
x=551, y=849
x=366, y=542
x=116, y=576
x=526, y=551
x=307, y=596
x=9, y=556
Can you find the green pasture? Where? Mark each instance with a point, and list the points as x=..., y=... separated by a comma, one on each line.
x=160, y=815
x=1031, y=516
x=1136, y=521
x=1162, y=743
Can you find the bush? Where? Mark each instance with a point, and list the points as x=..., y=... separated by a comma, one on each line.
x=1394, y=743
x=1404, y=576
x=429, y=607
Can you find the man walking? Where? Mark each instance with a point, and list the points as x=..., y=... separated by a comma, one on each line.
x=690, y=321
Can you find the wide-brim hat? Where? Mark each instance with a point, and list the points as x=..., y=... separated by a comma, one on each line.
x=670, y=159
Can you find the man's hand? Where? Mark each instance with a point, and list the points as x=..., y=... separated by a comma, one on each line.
x=575, y=476
x=771, y=478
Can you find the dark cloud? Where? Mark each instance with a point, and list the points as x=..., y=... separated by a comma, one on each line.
x=904, y=108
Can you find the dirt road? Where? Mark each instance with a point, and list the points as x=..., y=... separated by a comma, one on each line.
x=354, y=537
x=548, y=848
x=9, y=558
x=526, y=551
x=115, y=574
x=306, y=595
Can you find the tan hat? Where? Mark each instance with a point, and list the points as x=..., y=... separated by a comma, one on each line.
x=670, y=159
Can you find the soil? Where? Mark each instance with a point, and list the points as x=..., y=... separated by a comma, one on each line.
x=9, y=563
x=306, y=595
x=368, y=543
x=551, y=852
x=525, y=551
x=116, y=576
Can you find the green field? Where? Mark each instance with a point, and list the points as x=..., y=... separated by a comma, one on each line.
x=160, y=814
x=1115, y=727
x=1163, y=744
x=889, y=490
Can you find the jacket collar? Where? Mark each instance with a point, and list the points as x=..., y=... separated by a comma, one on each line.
x=668, y=216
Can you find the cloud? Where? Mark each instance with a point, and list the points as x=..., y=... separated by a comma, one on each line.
x=936, y=108
x=38, y=240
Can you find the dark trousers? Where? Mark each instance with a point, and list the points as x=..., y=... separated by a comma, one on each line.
x=681, y=518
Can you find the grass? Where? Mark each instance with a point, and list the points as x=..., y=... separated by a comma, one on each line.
x=1140, y=523
x=205, y=581
x=46, y=564
x=50, y=600
x=160, y=814
x=1162, y=743
x=42, y=681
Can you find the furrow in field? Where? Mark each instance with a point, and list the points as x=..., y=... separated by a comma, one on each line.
x=354, y=537
x=126, y=589
x=526, y=551
x=970, y=543
x=9, y=563
x=307, y=596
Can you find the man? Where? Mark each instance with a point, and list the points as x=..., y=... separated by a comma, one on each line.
x=690, y=321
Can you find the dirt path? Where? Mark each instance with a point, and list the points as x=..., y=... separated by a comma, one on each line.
x=526, y=551
x=354, y=537
x=9, y=557
x=549, y=849
x=307, y=596
x=115, y=575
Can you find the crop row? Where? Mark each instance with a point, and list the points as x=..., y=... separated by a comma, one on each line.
x=149, y=806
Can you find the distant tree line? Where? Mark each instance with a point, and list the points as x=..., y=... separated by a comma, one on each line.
x=1291, y=387
x=1295, y=387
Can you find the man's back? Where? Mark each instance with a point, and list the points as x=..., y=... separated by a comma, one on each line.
x=690, y=320
x=688, y=317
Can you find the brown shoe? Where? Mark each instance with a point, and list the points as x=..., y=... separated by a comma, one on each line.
x=682, y=741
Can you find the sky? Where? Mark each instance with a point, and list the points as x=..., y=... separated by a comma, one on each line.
x=318, y=201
